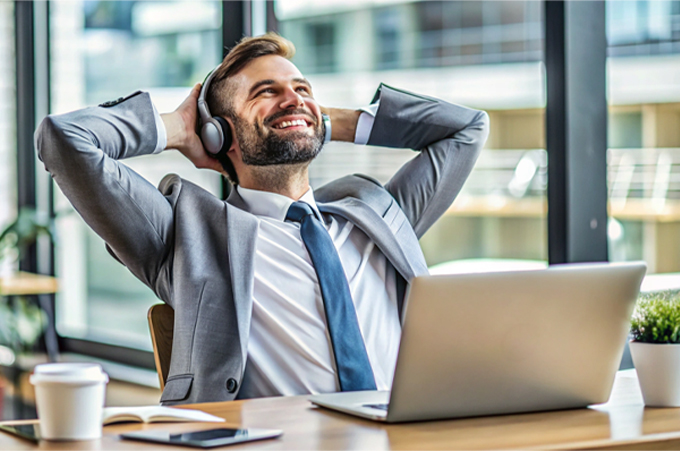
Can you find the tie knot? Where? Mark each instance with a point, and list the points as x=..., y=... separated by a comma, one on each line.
x=298, y=211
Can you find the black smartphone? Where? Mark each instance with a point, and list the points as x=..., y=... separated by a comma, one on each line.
x=26, y=431
x=204, y=439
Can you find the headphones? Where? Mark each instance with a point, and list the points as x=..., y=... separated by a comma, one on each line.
x=215, y=131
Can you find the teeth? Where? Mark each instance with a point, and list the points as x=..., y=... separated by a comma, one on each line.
x=286, y=124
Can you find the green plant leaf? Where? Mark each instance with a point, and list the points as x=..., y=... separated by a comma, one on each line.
x=23, y=232
x=656, y=318
x=30, y=321
x=22, y=324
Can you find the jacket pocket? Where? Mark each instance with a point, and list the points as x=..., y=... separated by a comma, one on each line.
x=177, y=388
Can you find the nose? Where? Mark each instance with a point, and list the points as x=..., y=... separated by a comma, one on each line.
x=291, y=99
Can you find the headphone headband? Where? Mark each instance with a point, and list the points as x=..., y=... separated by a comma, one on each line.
x=203, y=110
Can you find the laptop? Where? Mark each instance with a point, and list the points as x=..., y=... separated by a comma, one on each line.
x=505, y=342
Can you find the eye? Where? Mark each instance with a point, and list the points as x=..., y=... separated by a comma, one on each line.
x=303, y=89
x=265, y=91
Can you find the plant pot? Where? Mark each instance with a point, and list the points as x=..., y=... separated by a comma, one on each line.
x=658, y=370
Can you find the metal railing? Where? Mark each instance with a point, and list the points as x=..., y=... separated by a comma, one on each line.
x=641, y=182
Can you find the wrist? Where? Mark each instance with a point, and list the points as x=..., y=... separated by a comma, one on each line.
x=328, y=128
x=174, y=129
x=344, y=123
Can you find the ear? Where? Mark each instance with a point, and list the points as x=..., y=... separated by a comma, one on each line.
x=234, y=152
x=235, y=147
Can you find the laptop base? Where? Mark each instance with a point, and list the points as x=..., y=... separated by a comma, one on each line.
x=355, y=403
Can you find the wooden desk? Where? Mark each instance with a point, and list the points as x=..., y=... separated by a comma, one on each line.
x=24, y=284
x=623, y=423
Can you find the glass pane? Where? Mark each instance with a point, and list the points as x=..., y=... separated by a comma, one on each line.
x=8, y=190
x=486, y=55
x=644, y=136
x=102, y=50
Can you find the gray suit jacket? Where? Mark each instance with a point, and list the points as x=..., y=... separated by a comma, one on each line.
x=196, y=251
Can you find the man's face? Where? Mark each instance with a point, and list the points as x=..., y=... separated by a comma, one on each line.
x=277, y=119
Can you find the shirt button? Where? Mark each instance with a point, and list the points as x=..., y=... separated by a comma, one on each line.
x=232, y=385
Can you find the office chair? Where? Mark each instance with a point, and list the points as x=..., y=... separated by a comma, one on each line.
x=161, y=324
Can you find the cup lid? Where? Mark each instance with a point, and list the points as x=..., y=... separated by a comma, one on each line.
x=69, y=373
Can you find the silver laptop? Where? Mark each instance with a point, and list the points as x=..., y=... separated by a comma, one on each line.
x=505, y=342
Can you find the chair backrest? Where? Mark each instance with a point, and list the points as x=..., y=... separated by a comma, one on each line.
x=161, y=323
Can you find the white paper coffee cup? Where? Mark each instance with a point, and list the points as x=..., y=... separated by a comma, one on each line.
x=70, y=400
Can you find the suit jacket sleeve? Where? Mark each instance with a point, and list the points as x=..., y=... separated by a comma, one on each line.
x=449, y=138
x=80, y=150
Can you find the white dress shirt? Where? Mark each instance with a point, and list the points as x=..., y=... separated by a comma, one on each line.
x=289, y=349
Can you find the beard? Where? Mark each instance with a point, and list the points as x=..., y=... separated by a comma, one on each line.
x=263, y=147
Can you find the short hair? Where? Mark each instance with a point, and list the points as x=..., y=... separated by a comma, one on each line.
x=220, y=92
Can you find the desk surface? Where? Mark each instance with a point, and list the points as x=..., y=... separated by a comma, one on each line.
x=24, y=283
x=622, y=423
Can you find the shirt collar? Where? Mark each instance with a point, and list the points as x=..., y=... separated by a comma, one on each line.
x=272, y=205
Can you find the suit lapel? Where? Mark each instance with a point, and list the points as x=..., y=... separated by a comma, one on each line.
x=364, y=217
x=241, y=236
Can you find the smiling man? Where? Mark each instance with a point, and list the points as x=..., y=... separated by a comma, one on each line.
x=280, y=289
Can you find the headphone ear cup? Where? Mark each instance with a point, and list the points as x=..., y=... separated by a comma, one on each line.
x=226, y=133
x=212, y=136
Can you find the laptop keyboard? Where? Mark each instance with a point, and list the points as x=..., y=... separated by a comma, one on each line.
x=377, y=406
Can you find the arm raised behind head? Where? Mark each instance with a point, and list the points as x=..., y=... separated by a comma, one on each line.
x=80, y=150
x=449, y=138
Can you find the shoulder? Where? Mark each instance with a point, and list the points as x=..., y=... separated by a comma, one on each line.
x=174, y=188
x=359, y=186
x=170, y=186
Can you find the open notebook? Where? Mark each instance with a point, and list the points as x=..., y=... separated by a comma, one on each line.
x=155, y=414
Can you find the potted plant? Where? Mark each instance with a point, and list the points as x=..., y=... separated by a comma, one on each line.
x=655, y=347
x=22, y=321
x=17, y=237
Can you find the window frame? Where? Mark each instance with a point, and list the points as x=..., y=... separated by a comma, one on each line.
x=567, y=241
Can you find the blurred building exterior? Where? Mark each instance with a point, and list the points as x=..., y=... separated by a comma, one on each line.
x=487, y=55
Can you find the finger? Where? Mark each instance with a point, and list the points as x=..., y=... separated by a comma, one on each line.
x=192, y=98
x=196, y=90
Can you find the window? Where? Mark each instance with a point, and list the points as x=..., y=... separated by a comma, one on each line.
x=470, y=33
x=101, y=50
x=322, y=37
x=8, y=181
x=453, y=51
x=387, y=42
x=644, y=133
x=472, y=14
x=643, y=27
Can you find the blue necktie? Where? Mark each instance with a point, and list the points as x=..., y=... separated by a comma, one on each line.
x=351, y=359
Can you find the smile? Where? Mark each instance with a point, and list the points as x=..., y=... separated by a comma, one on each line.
x=287, y=124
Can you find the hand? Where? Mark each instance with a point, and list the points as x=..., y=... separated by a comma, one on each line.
x=180, y=126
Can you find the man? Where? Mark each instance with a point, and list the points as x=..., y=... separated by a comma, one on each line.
x=279, y=290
